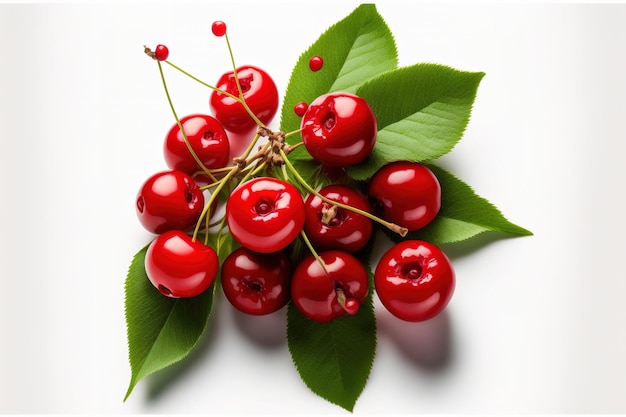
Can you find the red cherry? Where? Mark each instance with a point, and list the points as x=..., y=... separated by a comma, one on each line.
x=161, y=52
x=259, y=92
x=218, y=28
x=256, y=283
x=300, y=108
x=406, y=193
x=180, y=267
x=265, y=214
x=316, y=63
x=331, y=227
x=169, y=200
x=414, y=280
x=206, y=137
x=325, y=297
x=339, y=129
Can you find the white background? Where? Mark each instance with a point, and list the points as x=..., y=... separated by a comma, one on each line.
x=537, y=324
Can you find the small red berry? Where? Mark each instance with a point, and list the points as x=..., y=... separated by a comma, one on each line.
x=218, y=28
x=316, y=63
x=300, y=108
x=161, y=52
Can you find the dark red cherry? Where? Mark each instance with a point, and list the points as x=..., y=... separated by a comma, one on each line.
x=316, y=63
x=256, y=283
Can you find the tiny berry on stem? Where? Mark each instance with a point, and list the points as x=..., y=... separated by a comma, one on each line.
x=161, y=52
x=300, y=108
x=218, y=28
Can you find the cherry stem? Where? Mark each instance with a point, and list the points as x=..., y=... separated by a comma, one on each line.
x=180, y=125
x=241, y=99
x=308, y=244
x=402, y=231
x=212, y=87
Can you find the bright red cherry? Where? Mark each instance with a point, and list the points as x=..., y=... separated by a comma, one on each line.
x=169, y=200
x=161, y=52
x=414, y=280
x=259, y=92
x=218, y=28
x=406, y=193
x=331, y=227
x=180, y=267
x=206, y=137
x=265, y=214
x=316, y=63
x=256, y=283
x=325, y=297
x=339, y=129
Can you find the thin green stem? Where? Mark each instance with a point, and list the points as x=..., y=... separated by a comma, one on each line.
x=212, y=87
x=214, y=195
x=180, y=125
x=402, y=231
x=307, y=242
x=241, y=99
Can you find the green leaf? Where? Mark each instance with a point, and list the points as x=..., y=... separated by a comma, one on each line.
x=354, y=50
x=421, y=110
x=464, y=214
x=161, y=330
x=335, y=359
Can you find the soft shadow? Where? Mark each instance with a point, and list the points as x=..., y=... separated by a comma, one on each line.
x=427, y=344
x=161, y=380
x=267, y=331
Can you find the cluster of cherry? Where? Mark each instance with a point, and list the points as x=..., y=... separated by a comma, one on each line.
x=265, y=214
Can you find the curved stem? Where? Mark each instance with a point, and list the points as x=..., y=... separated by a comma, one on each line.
x=212, y=87
x=307, y=242
x=402, y=231
x=180, y=125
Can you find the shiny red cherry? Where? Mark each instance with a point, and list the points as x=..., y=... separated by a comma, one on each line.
x=265, y=214
x=169, y=200
x=206, y=137
x=414, y=280
x=161, y=52
x=331, y=227
x=180, y=267
x=324, y=297
x=256, y=283
x=218, y=28
x=406, y=193
x=259, y=92
x=339, y=129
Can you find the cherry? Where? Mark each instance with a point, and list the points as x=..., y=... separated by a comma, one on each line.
x=256, y=283
x=300, y=108
x=316, y=63
x=324, y=296
x=339, y=129
x=161, y=52
x=414, y=280
x=218, y=28
x=169, y=200
x=180, y=267
x=265, y=214
x=331, y=227
x=206, y=137
x=406, y=193
x=259, y=92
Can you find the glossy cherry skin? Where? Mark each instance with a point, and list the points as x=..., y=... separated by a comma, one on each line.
x=169, y=200
x=206, y=137
x=414, y=280
x=265, y=214
x=259, y=92
x=161, y=52
x=339, y=129
x=316, y=294
x=180, y=267
x=341, y=229
x=256, y=283
x=406, y=193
